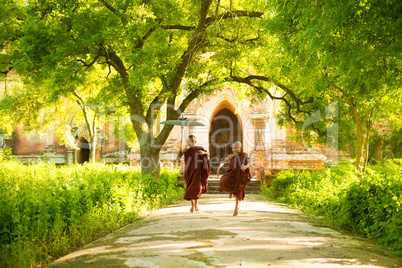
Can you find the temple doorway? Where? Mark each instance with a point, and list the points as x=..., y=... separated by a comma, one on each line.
x=82, y=155
x=225, y=129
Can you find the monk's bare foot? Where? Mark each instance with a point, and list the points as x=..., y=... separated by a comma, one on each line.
x=230, y=195
x=197, y=209
x=191, y=209
x=236, y=212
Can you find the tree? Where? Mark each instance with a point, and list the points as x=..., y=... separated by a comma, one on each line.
x=26, y=103
x=347, y=51
x=156, y=54
x=11, y=22
x=35, y=107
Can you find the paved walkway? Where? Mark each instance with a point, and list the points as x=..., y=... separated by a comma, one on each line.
x=265, y=234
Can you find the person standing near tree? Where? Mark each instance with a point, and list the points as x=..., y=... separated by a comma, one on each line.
x=196, y=172
x=237, y=176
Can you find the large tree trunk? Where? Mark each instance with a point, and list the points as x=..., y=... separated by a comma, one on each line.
x=91, y=128
x=93, y=141
x=92, y=152
x=359, y=147
x=378, y=153
x=150, y=160
x=366, y=147
x=143, y=119
x=362, y=148
x=360, y=168
x=360, y=162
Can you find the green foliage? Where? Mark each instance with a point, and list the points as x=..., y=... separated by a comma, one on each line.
x=388, y=142
x=346, y=51
x=6, y=154
x=47, y=211
x=135, y=55
x=395, y=144
x=371, y=208
x=11, y=20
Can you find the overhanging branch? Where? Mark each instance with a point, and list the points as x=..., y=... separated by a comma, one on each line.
x=193, y=44
x=177, y=27
x=234, y=14
x=238, y=40
x=89, y=65
x=184, y=104
x=141, y=41
x=288, y=92
x=110, y=7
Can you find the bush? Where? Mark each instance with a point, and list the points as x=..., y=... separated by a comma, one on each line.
x=6, y=154
x=47, y=211
x=371, y=208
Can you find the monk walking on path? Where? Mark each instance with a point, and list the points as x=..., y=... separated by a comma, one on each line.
x=237, y=176
x=196, y=172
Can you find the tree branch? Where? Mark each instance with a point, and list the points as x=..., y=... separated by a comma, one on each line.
x=89, y=65
x=81, y=103
x=111, y=8
x=156, y=105
x=114, y=60
x=167, y=128
x=184, y=104
x=248, y=79
x=193, y=44
x=194, y=94
x=288, y=92
x=234, y=14
x=177, y=27
x=161, y=98
x=141, y=41
x=237, y=39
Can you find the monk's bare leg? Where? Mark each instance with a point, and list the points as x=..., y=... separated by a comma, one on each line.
x=192, y=205
x=196, y=205
x=230, y=195
x=236, y=211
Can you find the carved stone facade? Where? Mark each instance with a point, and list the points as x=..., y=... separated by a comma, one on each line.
x=260, y=135
x=226, y=118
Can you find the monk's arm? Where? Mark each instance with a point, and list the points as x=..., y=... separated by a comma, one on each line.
x=204, y=152
x=223, y=162
x=244, y=167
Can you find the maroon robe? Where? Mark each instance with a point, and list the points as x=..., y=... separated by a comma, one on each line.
x=196, y=172
x=234, y=180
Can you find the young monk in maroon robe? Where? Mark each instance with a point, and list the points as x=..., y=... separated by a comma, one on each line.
x=237, y=176
x=196, y=172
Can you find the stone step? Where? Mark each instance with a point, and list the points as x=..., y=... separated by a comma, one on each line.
x=213, y=185
x=252, y=187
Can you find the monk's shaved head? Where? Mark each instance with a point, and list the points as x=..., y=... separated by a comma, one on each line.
x=237, y=144
x=191, y=140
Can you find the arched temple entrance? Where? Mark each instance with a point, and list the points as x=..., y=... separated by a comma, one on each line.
x=225, y=129
x=82, y=155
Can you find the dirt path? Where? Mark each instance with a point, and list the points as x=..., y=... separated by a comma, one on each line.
x=265, y=234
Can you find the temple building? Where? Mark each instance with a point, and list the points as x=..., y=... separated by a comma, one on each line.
x=226, y=119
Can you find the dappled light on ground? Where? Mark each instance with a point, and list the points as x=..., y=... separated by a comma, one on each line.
x=263, y=235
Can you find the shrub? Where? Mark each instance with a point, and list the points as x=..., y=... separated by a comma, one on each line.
x=47, y=211
x=371, y=208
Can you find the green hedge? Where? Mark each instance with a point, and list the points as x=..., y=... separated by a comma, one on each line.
x=47, y=211
x=371, y=208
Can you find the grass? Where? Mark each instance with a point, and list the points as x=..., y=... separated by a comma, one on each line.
x=48, y=211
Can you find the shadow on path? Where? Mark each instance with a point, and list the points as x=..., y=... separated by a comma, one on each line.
x=265, y=234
